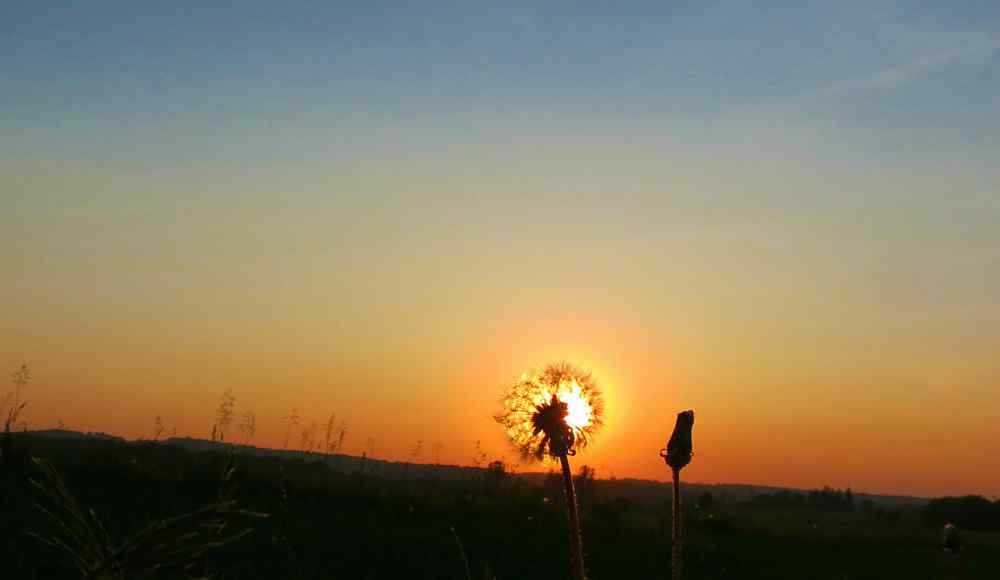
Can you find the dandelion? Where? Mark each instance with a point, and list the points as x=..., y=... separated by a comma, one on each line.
x=550, y=415
x=677, y=455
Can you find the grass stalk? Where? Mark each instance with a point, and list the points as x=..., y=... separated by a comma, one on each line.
x=461, y=552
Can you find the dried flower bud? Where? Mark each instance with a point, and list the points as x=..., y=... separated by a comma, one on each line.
x=679, y=449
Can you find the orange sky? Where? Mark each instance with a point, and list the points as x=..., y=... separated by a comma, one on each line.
x=770, y=409
x=392, y=212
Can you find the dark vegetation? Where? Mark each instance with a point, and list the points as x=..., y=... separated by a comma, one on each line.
x=356, y=519
x=971, y=512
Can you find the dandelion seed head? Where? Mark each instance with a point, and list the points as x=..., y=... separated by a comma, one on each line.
x=552, y=412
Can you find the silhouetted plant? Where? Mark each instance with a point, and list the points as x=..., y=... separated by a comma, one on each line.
x=461, y=552
x=551, y=415
x=479, y=456
x=179, y=542
x=224, y=416
x=248, y=425
x=307, y=437
x=971, y=512
x=334, y=436
x=13, y=402
x=584, y=484
x=291, y=421
x=157, y=428
x=677, y=455
x=12, y=406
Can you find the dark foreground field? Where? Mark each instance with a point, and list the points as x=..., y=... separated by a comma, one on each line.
x=355, y=520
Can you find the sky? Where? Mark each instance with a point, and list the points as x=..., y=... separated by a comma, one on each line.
x=782, y=216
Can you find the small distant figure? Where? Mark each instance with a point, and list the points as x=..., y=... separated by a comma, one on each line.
x=951, y=541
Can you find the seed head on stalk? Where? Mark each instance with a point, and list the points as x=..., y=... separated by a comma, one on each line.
x=677, y=455
x=549, y=415
x=552, y=412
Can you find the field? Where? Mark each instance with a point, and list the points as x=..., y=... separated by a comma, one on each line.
x=317, y=517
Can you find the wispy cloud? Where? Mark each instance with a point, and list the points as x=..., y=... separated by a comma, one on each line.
x=907, y=54
x=930, y=59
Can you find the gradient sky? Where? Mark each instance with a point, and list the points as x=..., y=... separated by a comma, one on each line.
x=784, y=216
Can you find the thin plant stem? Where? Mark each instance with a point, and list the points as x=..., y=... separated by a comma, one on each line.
x=675, y=557
x=461, y=551
x=576, y=540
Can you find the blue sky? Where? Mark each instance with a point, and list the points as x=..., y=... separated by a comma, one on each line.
x=924, y=67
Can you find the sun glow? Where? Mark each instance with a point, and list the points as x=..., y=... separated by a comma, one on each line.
x=580, y=412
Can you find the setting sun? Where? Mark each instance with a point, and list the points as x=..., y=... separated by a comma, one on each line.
x=580, y=412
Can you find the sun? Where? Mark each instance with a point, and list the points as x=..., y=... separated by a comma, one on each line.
x=580, y=412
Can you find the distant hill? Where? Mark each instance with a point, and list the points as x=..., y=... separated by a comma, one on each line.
x=638, y=490
x=67, y=434
x=338, y=461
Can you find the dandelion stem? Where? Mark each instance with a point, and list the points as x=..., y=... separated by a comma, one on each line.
x=576, y=540
x=675, y=556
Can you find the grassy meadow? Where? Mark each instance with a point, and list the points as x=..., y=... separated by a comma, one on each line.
x=312, y=516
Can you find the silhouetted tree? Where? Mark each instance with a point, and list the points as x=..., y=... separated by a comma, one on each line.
x=496, y=472
x=971, y=512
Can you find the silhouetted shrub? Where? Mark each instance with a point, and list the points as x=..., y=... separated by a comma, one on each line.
x=971, y=512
